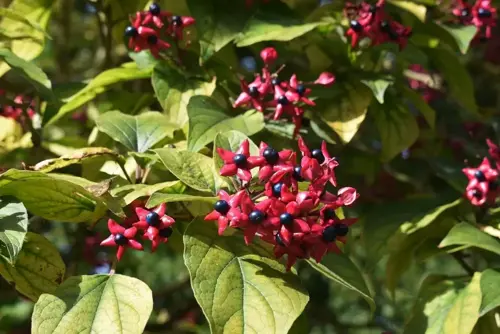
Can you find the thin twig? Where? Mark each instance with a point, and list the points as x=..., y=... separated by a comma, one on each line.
x=113, y=267
x=122, y=166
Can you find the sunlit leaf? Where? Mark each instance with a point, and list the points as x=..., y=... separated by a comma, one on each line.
x=467, y=235
x=13, y=228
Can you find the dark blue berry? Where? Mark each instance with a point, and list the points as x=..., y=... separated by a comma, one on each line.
x=240, y=160
x=297, y=173
x=476, y=193
x=276, y=81
x=222, y=207
x=152, y=39
x=155, y=9
x=256, y=216
x=166, y=232
x=283, y=100
x=286, y=218
x=465, y=12
x=176, y=20
x=301, y=89
x=131, y=31
x=329, y=214
x=483, y=13
x=329, y=234
x=152, y=219
x=356, y=26
x=120, y=240
x=279, y=240
x=479, y=175
x=318, y=155
x=277, y=189
x=341, y=230
x=253, y=91
x=271, y=155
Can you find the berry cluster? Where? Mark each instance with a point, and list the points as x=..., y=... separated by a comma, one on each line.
x=480, y=14
x=373, y=22
x=155, y=225
x=300, y=224
x=15, y=110
x=146, y=29
x=483, y=187
x=269, y=92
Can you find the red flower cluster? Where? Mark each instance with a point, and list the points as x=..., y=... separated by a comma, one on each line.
x=483, y=187
x=15, y=111
x=480, y=14
x=146, y=29
x=268, y=92
x=373, y=22
x=300, y=224
x=155, y=224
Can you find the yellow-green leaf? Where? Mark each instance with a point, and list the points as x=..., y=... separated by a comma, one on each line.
x=490, y=289
x=13, y=227
x=465, y=234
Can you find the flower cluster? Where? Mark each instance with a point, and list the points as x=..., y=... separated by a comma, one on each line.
x=155, y=225
x=480, y=14
x=483, y=187
x=268, y=92
x=300, y=223
x=15, y=110
x=371, y=21
x=147, y=27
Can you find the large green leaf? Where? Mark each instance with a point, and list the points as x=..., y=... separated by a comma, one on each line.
x=340, y=269
x=13, y=228
x=50, y=197
x=467, y=235
x=38, y=269
x=346, y=114
x=272, y=27
x=94, y=304
x=218, y=24
x=240, y=288
x=397, y=127
x=490, y=289
x=462, y=35
x=465, y=310
x=419, y=10
x=425, y=109
x=29, y=47
x=99, y=85
x=162, y=197
x=458, y=79
x=194, y=169
x=378, y=88
x=28, y=70
x=174, y=90
x=15, y=16
x=206, y=119
x=136, y=133
x=132, y=192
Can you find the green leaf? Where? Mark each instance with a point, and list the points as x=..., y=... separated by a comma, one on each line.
x=240, y=288
x=38, y=269
x=456, y=75
x=194, y=169
x=136, y=133
x=15, y=16
x=378, y=87
x=271, y=27
x=13, y=228
x=99, y=85
x=468, y=235
x=52, y=198
x=206, y=119
x=135, y=191
x=425, y=109
x=218, y=24
x=462, y=35
x=397, y=127
x=31, y=46
x=465, y=310
x=28, y=70
x=231, y=141
x=340, y=269
x=94, y=304
x=490, y=289
x=174, y=90
x=346, y=115
x=77, y=157
x=161, y=197
x=420, y=11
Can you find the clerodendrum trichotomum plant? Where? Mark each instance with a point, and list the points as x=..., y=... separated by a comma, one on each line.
x=249, y=166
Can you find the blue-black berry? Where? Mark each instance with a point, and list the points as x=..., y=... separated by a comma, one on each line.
x=286, y=218
x=277, y=189
x=356, y=26
x=483, y=13
x=329, y=234
x=301, y=89
x=279, y=240
x=152, y=39
x=176, y=20
x=256, y=216
x=283, y=100
x=120, y=239
x=240, y=160
x=318, y=155
x=131, y=31
x=271, y=155
x=275, y=81
x=222, y=207
x=152, y=219
x=329, y=214
x=155, y=9
x=297, y=173
x=341, y=230
x=166, y=232
x=253, y=91
x=479, y=175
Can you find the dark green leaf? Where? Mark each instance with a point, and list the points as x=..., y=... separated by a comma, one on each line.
x=425, y=109
x=13, y=228
x=206, y=119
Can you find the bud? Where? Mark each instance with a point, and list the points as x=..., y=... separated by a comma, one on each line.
x=325, y=78
x=269, y=55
